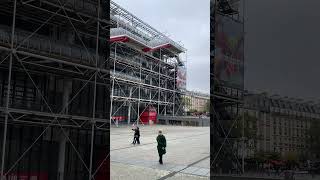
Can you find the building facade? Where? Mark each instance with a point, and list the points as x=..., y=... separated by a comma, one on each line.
x=196, y=101
x=147, y=69
x=281, y=123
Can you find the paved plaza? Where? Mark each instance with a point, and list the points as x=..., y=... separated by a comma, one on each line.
x=187, y=154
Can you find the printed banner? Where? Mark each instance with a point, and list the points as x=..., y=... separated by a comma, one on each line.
x=181, y=77
x=229, y=52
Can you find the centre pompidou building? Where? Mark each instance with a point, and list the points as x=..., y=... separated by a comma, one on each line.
x=147, y=69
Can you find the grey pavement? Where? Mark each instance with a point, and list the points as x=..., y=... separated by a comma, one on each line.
x=263, y=177
x=121, y=171
x=187, y=154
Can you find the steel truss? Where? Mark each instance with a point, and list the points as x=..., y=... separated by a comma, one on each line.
x=226, y=107
x=141, y=78
x=54, y=100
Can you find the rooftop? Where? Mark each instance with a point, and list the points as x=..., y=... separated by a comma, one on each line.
x=145, y=33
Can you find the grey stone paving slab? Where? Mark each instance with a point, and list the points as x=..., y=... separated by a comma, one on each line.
x=189, y=170
x=166, y=167
x=202, y=172
x=178, y=168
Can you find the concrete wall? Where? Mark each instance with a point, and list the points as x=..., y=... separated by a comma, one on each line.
x=184, y=121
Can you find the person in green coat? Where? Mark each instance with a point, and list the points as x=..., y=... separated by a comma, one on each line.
x=162, y=144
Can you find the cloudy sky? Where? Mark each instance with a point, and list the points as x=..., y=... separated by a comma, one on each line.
x=185, y=21
x=282, y=47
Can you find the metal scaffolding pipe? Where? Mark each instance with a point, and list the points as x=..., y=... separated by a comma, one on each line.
x=8, y=94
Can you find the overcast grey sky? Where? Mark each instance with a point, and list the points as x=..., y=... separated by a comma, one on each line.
x=282, y=41
x=282, y=47
x=187, y=21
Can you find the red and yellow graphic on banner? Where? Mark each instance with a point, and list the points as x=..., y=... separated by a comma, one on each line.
x=229, y=51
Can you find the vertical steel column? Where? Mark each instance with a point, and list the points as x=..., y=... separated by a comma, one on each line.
x=2, y=177
x=166, y=94
x=67, y=85
x=186, y=66
x=61, y=156
x=139, y=98
x=113, y=79
x=94, y=93
x=158, y=110
x=243, y=135
x=264, y=131
x=174, y=90
x=151, y=82
x=243, y=148
x=213, y=115
x=93, y=126
x=129, y=107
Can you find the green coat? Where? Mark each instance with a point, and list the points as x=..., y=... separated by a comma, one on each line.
x=162, y=144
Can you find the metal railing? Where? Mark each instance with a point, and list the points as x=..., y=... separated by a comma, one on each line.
x=124, y=76
x=159, y=42
x=47, y=46
x=152, y=43
x=86, y=6
x=121, y=31
x=126, y=59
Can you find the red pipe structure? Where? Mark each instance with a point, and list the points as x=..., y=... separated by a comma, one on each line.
x=145, y=49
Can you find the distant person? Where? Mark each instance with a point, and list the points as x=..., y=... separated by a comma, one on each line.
x=136, y=136
x=162, y=143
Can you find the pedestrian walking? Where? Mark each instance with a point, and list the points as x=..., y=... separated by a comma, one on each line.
x=162, y=144
x=136, y=136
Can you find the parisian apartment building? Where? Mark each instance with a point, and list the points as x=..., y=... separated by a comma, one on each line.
x=197, y=101
x=281, y=123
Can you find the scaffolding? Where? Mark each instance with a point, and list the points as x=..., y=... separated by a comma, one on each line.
x=54, y=89
x=144, y=67
x=226, y=100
